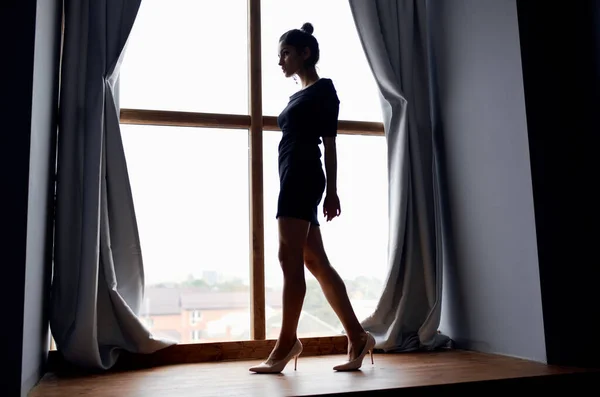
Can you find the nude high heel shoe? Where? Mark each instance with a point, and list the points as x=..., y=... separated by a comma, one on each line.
x=278, y=366
x=357, y=362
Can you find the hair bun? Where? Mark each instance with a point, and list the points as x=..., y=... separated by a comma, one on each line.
x=308, y=28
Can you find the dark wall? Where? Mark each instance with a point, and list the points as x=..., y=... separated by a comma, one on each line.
x=41, y=185
x=492, y=299
x=27, y=114
x=17, y=27
x=519, y=86
x=559, y=47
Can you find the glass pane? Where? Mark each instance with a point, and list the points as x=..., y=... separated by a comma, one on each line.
x=187, y=55
x=356, y=242
x=341, y=56
x=190, y=190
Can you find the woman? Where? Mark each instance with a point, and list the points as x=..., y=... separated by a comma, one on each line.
x=310, y=115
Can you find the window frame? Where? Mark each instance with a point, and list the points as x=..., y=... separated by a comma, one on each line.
x=254, y=123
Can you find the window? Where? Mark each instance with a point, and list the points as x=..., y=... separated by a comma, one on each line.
x=180, y=56
x=198, y=101
x=196, y=335
x=195, y=317
x=182, y=197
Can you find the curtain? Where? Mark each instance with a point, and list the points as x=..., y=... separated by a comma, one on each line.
x=394, y=37
x=98, y=280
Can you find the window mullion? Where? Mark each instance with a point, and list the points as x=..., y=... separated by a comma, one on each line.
x=257, y=260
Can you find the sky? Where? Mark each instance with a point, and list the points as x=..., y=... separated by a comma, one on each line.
x=190, y=185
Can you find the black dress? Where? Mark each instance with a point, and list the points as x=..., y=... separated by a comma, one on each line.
x=312, y=113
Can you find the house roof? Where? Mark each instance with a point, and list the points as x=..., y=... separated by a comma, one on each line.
x=161, y=301
x=213, y=300
x=172, y=300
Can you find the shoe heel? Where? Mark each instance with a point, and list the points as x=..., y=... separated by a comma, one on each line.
x=371, y=353
x=295, y=363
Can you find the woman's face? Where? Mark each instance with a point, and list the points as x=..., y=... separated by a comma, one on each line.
x=290, y=60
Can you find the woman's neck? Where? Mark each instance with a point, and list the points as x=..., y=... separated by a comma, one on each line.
x=308, y=77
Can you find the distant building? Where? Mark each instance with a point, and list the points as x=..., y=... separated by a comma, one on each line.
x=193, y=315
x=201, y=315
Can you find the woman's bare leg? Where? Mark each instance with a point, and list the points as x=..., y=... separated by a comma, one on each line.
x=292, y=239
x=334, y=289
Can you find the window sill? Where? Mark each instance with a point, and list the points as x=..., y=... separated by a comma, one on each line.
x=206, y=352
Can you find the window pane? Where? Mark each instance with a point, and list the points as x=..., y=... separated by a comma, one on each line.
x=341, y=56
x=187, y=55
x=356, y=242
x=191, y=202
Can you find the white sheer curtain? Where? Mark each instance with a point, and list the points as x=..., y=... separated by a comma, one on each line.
x=98, y=280
x=394, y=36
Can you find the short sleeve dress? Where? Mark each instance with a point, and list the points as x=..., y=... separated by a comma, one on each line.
x=311, y=114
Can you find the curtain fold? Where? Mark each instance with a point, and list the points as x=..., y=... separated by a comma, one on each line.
x=394, y=37
x=98, y=279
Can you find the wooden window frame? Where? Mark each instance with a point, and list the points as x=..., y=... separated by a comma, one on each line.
x=254, y=123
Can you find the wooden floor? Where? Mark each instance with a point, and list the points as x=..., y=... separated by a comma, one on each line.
x=414, y=373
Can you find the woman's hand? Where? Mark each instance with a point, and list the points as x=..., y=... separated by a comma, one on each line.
x=331, y=206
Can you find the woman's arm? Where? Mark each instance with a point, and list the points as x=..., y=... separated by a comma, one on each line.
x=331, y=205
x=330, y=164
